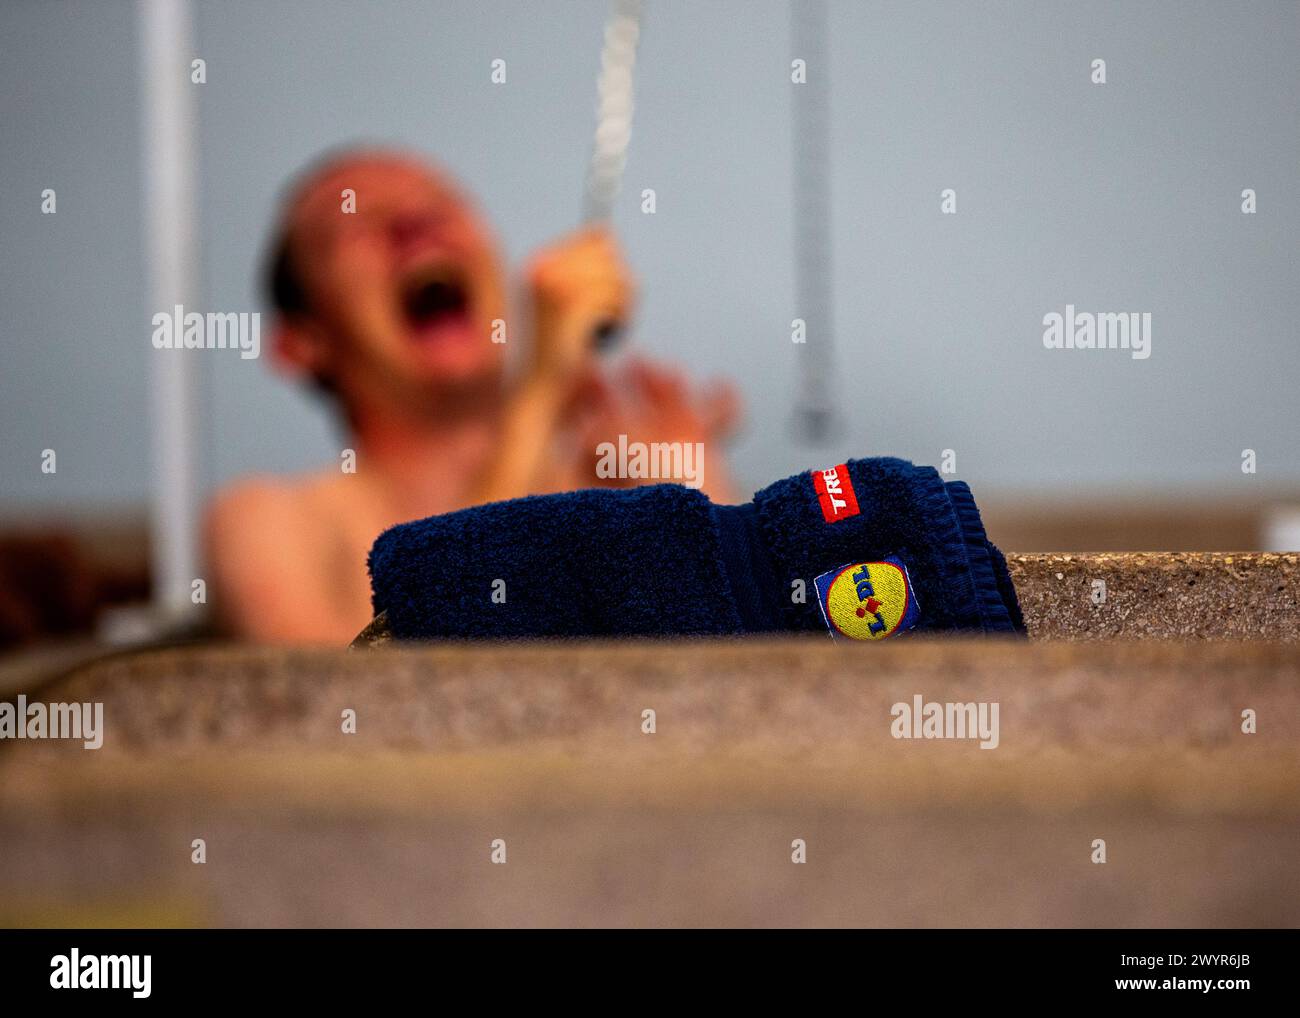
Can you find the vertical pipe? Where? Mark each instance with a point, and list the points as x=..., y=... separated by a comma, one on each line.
x=815, y=419
x=168, y=157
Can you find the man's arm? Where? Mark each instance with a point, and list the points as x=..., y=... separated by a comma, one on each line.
x=652, y=403
x=265, y=561
x=574, y=287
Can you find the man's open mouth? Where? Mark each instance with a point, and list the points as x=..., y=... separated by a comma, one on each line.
x=434, y=297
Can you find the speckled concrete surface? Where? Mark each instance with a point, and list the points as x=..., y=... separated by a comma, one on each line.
x=1122, y=721
x=1160, y=595
x=788, y=693
x=757, y=743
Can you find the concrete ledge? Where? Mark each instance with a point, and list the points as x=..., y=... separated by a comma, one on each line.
x=1137, y=742
x=757, y=743
x=395, y=841
x=784, y=693
x=1159, y=595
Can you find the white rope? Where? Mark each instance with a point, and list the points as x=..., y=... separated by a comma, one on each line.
x=613, y=110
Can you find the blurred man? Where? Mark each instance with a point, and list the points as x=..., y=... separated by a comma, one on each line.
x=393, y=310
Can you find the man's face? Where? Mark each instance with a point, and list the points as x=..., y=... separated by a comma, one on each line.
x=403, y=292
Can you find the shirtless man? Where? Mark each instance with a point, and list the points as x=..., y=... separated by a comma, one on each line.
x=392, y=310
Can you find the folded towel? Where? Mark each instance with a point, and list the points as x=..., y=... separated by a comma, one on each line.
x=865, y=550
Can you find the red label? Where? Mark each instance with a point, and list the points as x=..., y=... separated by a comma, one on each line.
x=835, y=493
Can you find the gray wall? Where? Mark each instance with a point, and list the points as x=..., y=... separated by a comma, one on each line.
x=1117, y=197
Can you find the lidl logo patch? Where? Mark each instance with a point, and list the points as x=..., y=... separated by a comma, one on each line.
x=835, y=493
x=867, y=600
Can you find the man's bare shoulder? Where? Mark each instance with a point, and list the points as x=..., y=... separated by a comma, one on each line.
x=257, y=513
x=271, y=494
x=272, y=499
x=267, y=542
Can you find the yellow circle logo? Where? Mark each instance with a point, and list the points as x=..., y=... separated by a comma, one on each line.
x=867, y=601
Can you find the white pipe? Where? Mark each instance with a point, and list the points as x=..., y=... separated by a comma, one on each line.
x=168, y=157
x=816, y=419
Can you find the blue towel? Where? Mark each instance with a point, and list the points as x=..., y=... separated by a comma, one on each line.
x=864, y=550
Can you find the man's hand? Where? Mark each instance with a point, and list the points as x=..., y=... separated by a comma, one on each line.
x=654, y=403
x=576, y=286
